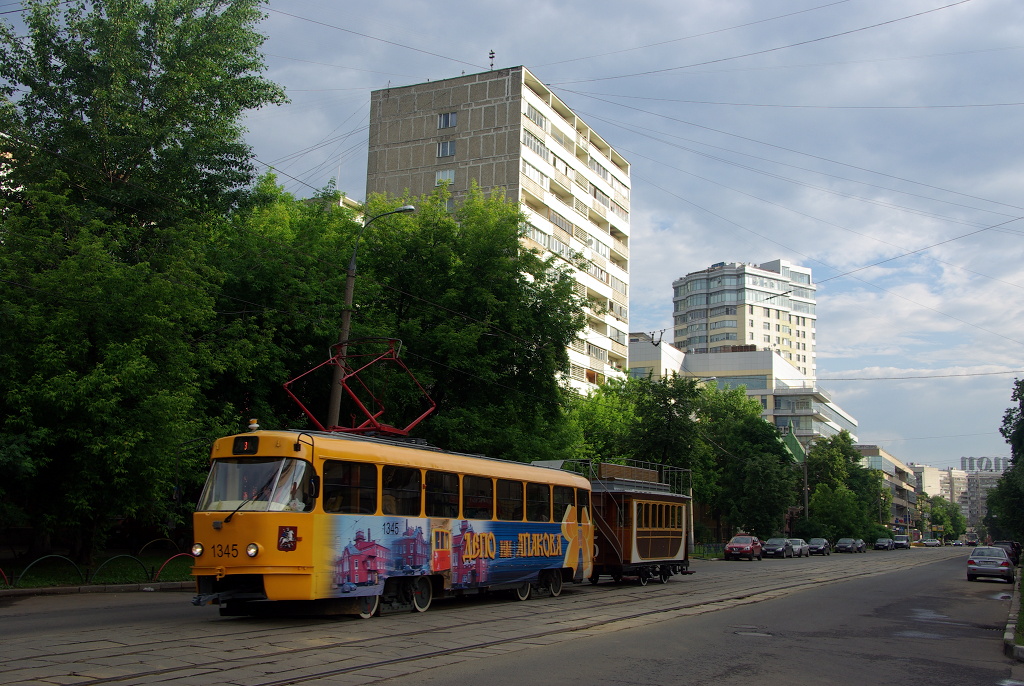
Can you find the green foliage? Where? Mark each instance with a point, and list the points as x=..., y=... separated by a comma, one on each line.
x=838, y=511
x=123, y=150
x=738, y=462
x=1005, y=518
x=484, y=322
x=137, y=101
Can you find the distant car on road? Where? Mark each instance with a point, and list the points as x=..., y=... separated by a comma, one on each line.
x=777, y=547
x=933, y=543
x=989, y=561
x=743, y=546
x=819, y=546
x=800, y=547
x=901, y=541
x=884, y=544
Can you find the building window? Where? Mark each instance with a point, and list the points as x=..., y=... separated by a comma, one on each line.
x=446, y=149
x=447, y=120
x=536, y=117
x=444, y=176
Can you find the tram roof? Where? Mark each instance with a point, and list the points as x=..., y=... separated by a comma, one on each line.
x=403, y=451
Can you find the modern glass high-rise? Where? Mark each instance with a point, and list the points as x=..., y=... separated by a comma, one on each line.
x=504, y=129
x=736, y=307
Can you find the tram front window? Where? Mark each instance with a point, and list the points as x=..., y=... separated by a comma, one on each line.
x=258, y=484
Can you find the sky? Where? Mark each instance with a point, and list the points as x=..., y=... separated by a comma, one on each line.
x=880, y=143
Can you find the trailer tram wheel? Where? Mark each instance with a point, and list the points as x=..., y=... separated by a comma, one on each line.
x=642, y=577
x=368, y=606
x=664, y=574
x=554, y=583
x=523, y=591
x=422, y=594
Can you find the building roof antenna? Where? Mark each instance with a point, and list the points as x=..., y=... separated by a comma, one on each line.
x=492, y=60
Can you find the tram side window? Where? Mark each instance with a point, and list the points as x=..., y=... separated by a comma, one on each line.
x=538, y=503
x=400, y=492
x=510, y=500
x=442, y=494
x=583, y=503
x=350, y=487
x=565, y=497
x=477, y=497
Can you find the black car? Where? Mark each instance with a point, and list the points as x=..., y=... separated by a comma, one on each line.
x=885, y=544
x=819, y=546
x=777, y=547
x=846, y=545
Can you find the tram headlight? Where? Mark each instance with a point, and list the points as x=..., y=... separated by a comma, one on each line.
x=252, y=550
x=197, y=549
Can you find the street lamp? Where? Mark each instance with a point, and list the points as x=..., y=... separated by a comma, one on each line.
x=334, y=408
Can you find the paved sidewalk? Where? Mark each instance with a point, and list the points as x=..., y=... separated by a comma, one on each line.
x=100, y=588
x=1010, y=647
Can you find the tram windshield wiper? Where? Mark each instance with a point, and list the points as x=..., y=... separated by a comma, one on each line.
x=265, y=488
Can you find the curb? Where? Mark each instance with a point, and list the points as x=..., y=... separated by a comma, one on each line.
x=1010, y=647
x=99, y=588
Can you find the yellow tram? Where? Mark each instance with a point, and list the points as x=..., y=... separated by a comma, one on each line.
x=361, y=524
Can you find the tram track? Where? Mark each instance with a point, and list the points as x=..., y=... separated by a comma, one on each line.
x=569, y=616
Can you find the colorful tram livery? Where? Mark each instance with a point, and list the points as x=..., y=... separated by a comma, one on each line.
x=360, y=524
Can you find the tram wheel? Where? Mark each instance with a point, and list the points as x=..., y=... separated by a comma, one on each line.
x=664, y=575
x=368, y=606
x=554, y=583
x=642, y=578
x=594, y=578
x=523, y=591
x=422, y=594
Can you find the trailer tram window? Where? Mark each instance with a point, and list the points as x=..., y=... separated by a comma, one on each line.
x=538, y=503
x=510, y=500
x=583, y=503
x=400, y=491
x=565, y=498
x=442, y=494
x=350, y=487
x=477, y=497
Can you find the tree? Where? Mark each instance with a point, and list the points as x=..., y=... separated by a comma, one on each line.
x=485, y=322
x=838, y=511
x=123, y=149
x=138, y=102
x=1005, y=518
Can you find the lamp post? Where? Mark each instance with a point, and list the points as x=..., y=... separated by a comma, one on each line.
x=334, y=408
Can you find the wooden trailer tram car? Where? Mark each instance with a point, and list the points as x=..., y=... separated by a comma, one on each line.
x=641, y=514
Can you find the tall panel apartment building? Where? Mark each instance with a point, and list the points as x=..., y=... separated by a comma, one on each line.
x=504, y=129
x=734, y=307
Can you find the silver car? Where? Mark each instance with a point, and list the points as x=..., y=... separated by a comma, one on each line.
x=989, y=561
x=800, y=547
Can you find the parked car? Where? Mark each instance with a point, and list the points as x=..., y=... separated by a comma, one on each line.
x=901, y=541
x=990, y=561
x=861, y=545
x=819, y=546
x=884, y=544
x=800, y=547
x=743, y=546
x=933, y=543
x=777, y=547
x=846, y=545
x=1012, y=550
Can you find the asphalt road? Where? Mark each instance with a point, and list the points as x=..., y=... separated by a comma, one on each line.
x=899, y=617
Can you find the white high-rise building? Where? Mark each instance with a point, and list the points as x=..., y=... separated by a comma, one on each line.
x=504, y=129
x=734, y=307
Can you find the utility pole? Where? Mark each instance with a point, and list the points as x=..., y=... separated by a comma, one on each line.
x=334, y=408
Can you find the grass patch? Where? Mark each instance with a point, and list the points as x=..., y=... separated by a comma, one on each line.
x=113, y=568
